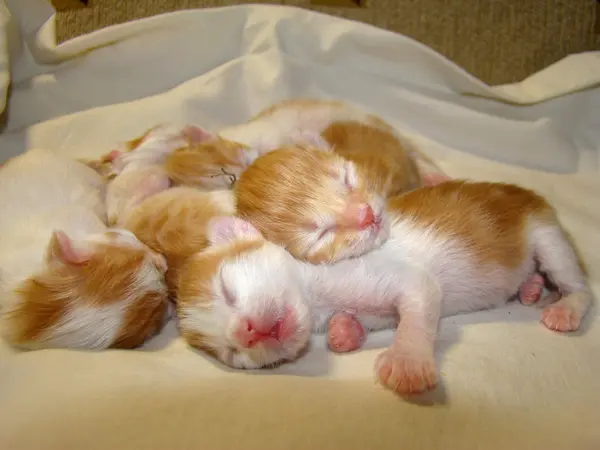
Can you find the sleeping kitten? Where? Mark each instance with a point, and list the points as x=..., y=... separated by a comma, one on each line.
x=390, y=162
x=66, y=280
x=454, y=248
x=173, y=222
x=139, y=172
x=315, y=204
x=266, y=322
x=320, y=208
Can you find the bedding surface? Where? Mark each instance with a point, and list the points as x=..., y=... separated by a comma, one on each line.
x=506, y=381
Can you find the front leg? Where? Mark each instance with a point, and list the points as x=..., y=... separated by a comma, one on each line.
x=408, y=365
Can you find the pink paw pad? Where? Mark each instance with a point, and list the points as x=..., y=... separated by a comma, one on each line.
x=560, y=318
x=405, y=374
x=345, y=333
x=531, y=290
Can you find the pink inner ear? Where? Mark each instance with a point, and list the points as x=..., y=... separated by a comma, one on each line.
x=227, y=229
x=196, y=134
x=111, y=156
x=65, y=251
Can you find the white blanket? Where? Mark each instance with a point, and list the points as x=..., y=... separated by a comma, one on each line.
x=506, y=382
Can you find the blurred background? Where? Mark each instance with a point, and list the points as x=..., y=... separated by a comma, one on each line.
x=498, y=41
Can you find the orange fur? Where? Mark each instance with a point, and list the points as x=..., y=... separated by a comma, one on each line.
x=107, y=276
x=134, y=143
x=489, y=218
x=173, y=223
x=371, y=144
x=104, y=164
x=213, y=163
x=193, y=282
x=143, y=319
x=290, y=186
x=377, y=153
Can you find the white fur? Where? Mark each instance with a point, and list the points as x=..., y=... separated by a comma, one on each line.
x=416, y=276
x=302, y=125
x=224, y=200
x=140, y=172
x=376, y=283
x=73, y=330
x=290, y=124
x=154, y=148
x=258, y=291
x=40, y=192
x=380, y=281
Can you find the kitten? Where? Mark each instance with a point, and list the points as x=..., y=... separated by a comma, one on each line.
x=315, y=204
x=388, y=160
x=67, y=280
x=223, y=309
x=173, y=222
x=139, y=172
x=454, y=248
x=319, y=207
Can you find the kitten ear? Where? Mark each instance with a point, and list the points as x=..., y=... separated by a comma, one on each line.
x=225, y=229
x=196, y=135
x=111, y=156
x=61, y=249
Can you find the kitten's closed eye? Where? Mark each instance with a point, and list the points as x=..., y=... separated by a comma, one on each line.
x=227, y=294
x=230, y=176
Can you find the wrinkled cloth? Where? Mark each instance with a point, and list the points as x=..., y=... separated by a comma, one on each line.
x=506, y=381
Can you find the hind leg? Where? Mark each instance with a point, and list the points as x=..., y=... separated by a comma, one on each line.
x=531, y=290
x=559, y=260
x=345, y=333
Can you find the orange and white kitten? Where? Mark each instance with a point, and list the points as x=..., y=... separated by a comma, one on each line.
x=66, y=280
x=453, y=248
x=173, y=222
x=315, y=204
x=389, y=160
x=138, y=171
x=215, y=163
x=223, y=308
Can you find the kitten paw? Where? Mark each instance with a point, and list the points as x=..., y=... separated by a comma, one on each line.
x=531, y=290
x=344, y=333
x=560, y=318
x=406, y=373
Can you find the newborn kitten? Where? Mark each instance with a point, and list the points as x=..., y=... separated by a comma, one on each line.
x=388, y=160
x=315, y=204
x=173, y=222
x=66, y=280
x=223, y=308
x=453, y=248
x=320, y=208
x=140, y=172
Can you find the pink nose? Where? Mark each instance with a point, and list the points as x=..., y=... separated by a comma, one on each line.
x=248, y=335
x=366, y=217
